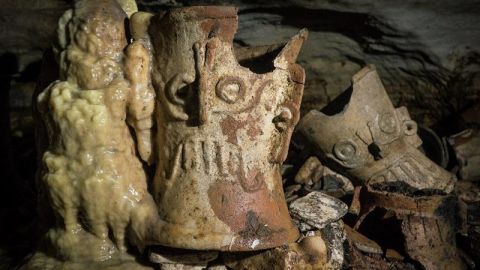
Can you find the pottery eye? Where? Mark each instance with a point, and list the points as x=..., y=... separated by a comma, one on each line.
x=230, y=89
x=345, y=150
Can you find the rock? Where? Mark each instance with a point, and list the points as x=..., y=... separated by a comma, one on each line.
x=317, y=209
x=363, y=253
x=310, y=172
x=315, y=176
x=174, y=256
x=393, y=255
x=468, y=194
x=310, y=253
x=334, y=236
x=359, y=260
x=466, y=145
x=290, y=190
x=180, y=267
x=321, y=249
x=336, y=184
x=355, y=206
x=217, y=267
x=361, y=242
x=303, y=227
x=292, y=198
x=431, y=242
x=426, y=223
x=290, y=193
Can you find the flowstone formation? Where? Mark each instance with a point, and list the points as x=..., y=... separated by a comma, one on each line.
x=93, y=181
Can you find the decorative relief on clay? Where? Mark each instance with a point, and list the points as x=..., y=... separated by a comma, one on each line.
x=362, y=132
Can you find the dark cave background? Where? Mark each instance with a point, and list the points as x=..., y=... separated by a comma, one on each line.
x=427, y=53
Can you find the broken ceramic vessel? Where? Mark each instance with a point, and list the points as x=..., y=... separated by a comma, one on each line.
x=467, y=151
x=427, y=224
x=222, y=133
x=310, y=253
x=362, y=134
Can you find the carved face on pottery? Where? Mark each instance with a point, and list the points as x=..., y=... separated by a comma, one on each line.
x=223, y=131
x=361, y=132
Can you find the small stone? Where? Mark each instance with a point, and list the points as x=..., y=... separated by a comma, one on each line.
x=334, y=236
x=174, y=256
x=466, y=146
x=317, y=209
x=315, y=247
x=468, y=194
x=302, y=227
x=361, y=242
x=217, y=267
x=336, y=181
x=314, y=176
x=310, y=253
x=393, y=255
x=179, y=266
x=355, y=205
x=290, y=190
x=467, y=191
x=310, y=172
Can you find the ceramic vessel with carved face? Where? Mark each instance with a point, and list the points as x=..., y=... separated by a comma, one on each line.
x=362, y=134
x=222, y=134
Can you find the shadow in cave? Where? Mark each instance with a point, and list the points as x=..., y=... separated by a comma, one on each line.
x=17, y=164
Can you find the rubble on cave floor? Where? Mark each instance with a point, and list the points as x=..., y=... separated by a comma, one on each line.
x=359, y=228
